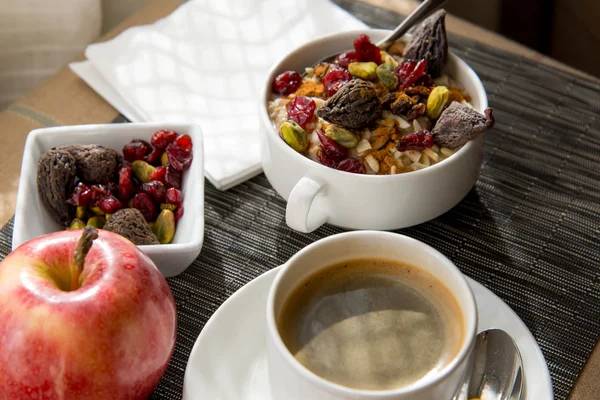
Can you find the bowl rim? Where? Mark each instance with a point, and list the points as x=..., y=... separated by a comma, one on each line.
x=28, y=165
x=457, y=157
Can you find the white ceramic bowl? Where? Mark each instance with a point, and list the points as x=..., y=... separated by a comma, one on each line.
x=32, y=219
x=317, y=194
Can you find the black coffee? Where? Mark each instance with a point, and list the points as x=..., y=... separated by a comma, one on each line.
x=372, y=324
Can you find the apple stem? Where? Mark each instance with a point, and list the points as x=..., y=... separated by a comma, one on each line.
x=83, y=247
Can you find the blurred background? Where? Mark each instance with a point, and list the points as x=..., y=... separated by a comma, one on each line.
x=37, y=37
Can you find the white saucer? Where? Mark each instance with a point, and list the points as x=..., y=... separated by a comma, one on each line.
x=228, y=361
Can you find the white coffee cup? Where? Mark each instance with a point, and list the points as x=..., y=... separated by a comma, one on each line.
x=317, y=194
x=290, y=380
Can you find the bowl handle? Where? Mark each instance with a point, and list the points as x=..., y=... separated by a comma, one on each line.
x=297, y=212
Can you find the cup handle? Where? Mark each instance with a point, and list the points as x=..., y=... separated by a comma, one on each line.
x=297, y=213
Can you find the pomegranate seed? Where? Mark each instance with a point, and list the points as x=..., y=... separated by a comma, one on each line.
x=325, y=159
x=125, y=183
x=351, y=165
x=178, y=213
x=287, y=82
x=409, y=71
x=184, y=141
x=161, y=139
x=81, y=197
x=366, y=50
x=143, y=202
x=301, y=110
x=416, y=141
x=179, y=158
x=174, y=196
x=172, y=177
x=159, y=174
x=346, y=58
x=154, y=157
x=331, y=147
x=154, y=189
x=136, y=150
x=335, y=79
x=109, y=204
x=98, y=192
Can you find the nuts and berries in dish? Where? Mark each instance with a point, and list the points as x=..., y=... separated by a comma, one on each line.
x=136, y=194
x=376, y=112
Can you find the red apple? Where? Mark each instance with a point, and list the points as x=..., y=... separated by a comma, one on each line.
x=77, y=326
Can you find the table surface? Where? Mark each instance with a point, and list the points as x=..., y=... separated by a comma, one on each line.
x=82, y=106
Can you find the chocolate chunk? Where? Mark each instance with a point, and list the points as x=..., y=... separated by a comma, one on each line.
x=458, y=124
x=354, y=105
x=55, y=182
x=95, y=163
x=429, y=42
x=130, y=223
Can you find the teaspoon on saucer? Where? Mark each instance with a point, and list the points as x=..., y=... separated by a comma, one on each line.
x=497, y=372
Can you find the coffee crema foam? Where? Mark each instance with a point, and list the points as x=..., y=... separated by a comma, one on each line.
x=372, y=324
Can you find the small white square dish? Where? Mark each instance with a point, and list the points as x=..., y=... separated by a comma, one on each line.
x=32, y=219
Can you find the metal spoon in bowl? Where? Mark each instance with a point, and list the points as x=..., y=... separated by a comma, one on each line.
x=425, y=9
x=497, y=372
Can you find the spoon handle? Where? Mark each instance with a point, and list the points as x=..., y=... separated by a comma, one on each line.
x=425, y=9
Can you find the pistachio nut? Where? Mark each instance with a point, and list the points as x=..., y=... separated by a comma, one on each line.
x=97, y=221
x=164, y=159
x=152, y=227
x=80, y=212
x=294, y=136
x=437, y=101
x=77, y=223
x=96, y=210
x=107, y=216
x=165, y=226
x=363, y=70
x=387, y=77
x=168, y=206
x=142, y=170
x=342, y=136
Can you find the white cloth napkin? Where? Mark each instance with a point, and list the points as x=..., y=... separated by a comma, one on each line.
x=207, y=63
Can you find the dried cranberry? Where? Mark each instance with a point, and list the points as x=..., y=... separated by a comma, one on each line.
x=174, y=196
x=346, y=58
x=366, y=50
x=335, y=79
x=154, y=157
x=98, y=192
x=136, y=150
x=161, y=139
x=331, y=147
x=154, y=189
x=81, y=197
x=184, y=141
x=287, y=82
x=158, y=174
x=416, y=141
x=325, y=159
x=143, y=202
x=125, y=183
x=172, y=177
x=301, y=110
x=351, y=165
x=178, y=213
x=109, y=204
x=179, y=158
x=409, y=71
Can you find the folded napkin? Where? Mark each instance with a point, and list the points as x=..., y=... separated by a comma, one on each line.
x=207, y=63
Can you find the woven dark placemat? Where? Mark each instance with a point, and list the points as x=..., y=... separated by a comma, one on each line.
x=528, y=230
